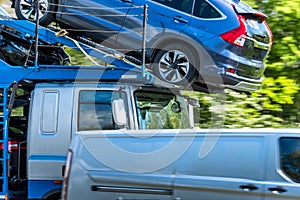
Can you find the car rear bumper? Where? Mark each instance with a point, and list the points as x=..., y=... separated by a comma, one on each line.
x=218, y=79
x=235, y=82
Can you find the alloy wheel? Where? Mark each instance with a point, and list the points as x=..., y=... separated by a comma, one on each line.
x=174, y=66
x=28, y=10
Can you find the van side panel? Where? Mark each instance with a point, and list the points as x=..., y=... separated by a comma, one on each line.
x=49, y=134
x=233, y=170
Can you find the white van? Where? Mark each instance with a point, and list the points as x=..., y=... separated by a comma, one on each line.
x=238, y=164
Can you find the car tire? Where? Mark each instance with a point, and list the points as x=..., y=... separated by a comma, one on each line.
x=25, y=10
x=175, y=63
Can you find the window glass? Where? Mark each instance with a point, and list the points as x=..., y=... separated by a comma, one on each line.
x=290, y=157
x=95, y=112
x=182, y=5
x=161, y=111
x=204, y=10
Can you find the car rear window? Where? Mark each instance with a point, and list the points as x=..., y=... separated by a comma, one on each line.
x=290, y=158
x=204, y=10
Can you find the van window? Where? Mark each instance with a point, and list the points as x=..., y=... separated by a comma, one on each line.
x=95, y=112
x=290, y=158
x=204, y=10
x=182, y=5
x=161, y=110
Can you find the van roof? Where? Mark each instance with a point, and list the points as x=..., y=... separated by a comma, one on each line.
x=251, y=131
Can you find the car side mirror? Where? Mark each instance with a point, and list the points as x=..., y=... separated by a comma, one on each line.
x=119, y=112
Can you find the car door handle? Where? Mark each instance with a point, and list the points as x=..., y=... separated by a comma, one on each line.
x=249, y=187
x=277, y=190
x=179, y=19
x=126, y=1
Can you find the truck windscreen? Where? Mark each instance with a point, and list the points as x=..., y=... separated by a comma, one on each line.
x=161, y=110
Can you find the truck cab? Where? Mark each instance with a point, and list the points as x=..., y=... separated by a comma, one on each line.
x=53, y=112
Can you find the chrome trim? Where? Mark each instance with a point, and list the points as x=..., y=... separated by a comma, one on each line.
x=260, y=45
x=246, y=85
x=100, y=188
x=255, y=81
x=243, y=86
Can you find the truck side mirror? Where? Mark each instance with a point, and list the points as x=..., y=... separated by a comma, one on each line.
x=194, y=118
x=119, y=112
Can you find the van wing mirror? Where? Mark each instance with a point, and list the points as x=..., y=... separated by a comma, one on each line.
x=119, y=112
x=194, y=116
x=193, y=102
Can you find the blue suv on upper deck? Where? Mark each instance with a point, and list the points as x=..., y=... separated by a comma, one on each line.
x=210, y=43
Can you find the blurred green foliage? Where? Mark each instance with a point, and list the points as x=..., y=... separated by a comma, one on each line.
x=79, y=59
x=281, y=89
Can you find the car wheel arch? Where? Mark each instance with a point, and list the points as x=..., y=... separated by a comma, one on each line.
x=163, y=45
x=165, y=40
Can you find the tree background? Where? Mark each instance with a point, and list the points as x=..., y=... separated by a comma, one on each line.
x=277, y=102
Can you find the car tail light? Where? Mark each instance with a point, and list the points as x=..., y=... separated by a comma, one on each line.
x=237, y=36
x=12, y=146
x=67, y=175
x=230, y=70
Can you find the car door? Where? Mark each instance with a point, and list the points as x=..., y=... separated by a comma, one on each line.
x=283, y=175
x=233, y=169
x=101, y=18
x=165, y=17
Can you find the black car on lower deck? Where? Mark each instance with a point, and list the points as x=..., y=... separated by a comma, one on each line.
x=19, y=50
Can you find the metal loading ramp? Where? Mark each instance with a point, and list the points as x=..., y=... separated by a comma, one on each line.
x=118, y=63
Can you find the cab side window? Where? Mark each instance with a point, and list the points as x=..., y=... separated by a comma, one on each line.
x=182, y=5
x=95, y=111
x=290, y=158
x=204, y=10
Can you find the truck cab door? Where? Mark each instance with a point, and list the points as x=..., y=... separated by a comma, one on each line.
x=49, y=133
